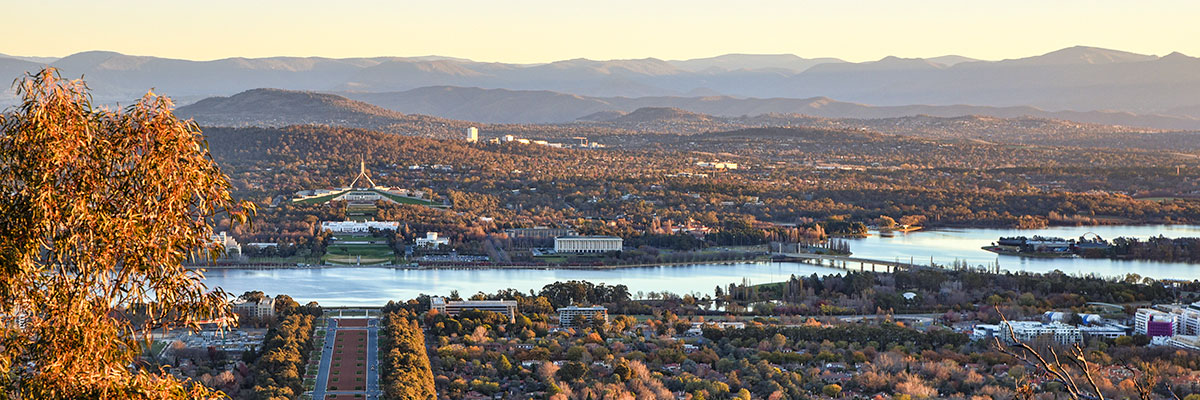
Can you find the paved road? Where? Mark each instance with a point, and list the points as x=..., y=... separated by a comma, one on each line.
x=326, y=360
x=373, y=390
x=372, y=365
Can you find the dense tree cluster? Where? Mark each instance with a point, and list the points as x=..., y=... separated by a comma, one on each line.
x=281, y=361
x=1155, y=248
x=404, y=372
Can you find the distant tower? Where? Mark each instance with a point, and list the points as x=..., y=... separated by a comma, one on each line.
x=472, y=135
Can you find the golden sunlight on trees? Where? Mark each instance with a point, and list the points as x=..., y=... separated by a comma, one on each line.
x=98, y=209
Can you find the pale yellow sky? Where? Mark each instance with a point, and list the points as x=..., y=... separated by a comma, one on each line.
x=540, y=31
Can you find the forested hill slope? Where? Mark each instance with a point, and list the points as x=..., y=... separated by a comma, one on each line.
x=277, y=107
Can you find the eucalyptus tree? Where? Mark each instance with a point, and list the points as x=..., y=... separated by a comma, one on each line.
x=98, y=209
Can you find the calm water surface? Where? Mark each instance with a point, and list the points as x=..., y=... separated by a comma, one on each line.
x=945, y=246
x=373, y=286
x=350, y=286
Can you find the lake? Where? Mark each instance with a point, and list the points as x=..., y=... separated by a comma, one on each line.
x=343, y=286
x=354, y=286
x=947, y=245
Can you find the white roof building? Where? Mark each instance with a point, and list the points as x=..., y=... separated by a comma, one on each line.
x=358, y=226
x=587, y=244
x=431, y=239
x=455, y=308
x=1027, y=331
x=573, y=316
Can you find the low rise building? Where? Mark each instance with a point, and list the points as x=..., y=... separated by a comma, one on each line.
x=431, y=239
x=538, y=232
x=569, y=317
x=455, y=308
x=587, y=244
x=1028, y=331
x=1107, y=331
x=262, y=308
x=1189, y=342
x=358, y=226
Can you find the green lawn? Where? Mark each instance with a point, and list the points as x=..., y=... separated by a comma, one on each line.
x=410, y=200
x=321, y=199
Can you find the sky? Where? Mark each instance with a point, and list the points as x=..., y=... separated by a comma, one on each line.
x=533, y=31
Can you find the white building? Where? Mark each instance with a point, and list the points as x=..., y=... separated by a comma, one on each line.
x=697, y=328
x=472, y=134
x=228, y=244
x=587, y=244
x=985, y=332
x=574, y=316
x=358, y=226
x=717, y=165
x=264, y=308
x=431, y=239
x=1143, y=318
x=1107, y=331
x=1186, y=318
x=1027, y=331
x=1189, y=342
x=455, y=308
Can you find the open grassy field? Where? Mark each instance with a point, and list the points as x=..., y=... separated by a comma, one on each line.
x=410, y=200
x=321, y=199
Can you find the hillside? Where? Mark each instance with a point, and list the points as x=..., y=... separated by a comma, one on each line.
x=660, y=115
x=275, y=108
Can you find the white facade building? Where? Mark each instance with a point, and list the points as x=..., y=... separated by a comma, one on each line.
x=573, y=316
x=1107, y=331
x=1141, y=320
x=587, y=244
x=431, y=239
x=472, y=134
x=455, y=308
x=1186, y=318
x=264, y=308
x=1027, y=331
x=358, y=226
x=1190, y=342
x=228, y=244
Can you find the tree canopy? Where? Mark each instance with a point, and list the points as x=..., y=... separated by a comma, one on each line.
x=98, y=208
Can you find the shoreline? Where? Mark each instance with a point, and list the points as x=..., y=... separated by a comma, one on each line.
x=482, y=267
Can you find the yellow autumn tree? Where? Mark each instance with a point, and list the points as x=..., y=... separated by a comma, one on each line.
x=98, y=209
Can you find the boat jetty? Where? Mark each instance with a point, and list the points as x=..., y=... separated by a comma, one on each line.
x=1040, y=246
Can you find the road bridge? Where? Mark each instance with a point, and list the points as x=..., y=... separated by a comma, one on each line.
x=850, y=263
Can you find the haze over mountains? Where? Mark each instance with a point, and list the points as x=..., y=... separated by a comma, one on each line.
x=647, y=125
x=1163, y=92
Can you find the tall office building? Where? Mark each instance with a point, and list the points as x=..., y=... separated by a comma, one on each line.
x=472, y=134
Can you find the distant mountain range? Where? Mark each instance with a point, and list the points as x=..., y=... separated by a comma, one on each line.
x=524, y=106
x=275, y=108
x=1081, y=79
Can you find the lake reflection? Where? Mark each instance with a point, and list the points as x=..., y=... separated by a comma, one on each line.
x=338, y=286
x=945, y=246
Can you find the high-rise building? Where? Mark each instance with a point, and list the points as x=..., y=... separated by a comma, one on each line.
x=472, y=134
